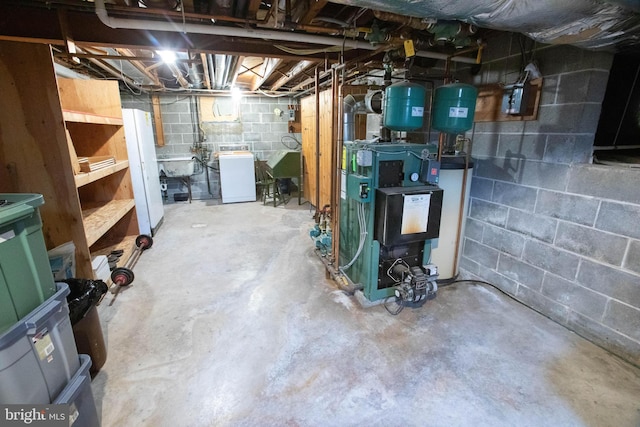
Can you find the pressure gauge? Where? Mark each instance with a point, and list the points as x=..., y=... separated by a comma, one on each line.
x=414, y=177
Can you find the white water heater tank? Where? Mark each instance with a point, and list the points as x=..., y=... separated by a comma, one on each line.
x=443, y=253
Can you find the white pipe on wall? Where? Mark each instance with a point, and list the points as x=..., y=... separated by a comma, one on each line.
x=179, y=27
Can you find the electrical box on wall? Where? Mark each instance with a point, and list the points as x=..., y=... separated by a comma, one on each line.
x=489, y=106
x=293, y=115
x=515, y=99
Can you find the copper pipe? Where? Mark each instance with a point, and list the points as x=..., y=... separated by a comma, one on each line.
x=416, y=23
x=479, y=48
x=317, y=99
x=336, y=176
x=441, y=138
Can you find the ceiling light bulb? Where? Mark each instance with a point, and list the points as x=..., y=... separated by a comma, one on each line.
x=168, y=56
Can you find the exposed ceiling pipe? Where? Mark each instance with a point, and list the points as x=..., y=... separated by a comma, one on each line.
x=413, y=22
x=196, y=78
x=583, y=23
x=195, y=75
x=164, y=14
x=240, y=8
x=212, y=73
x=229, y=65
x=247, y=32
x=221, y=63
x=235, y=70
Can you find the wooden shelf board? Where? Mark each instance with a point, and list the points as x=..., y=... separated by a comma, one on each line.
x=81, y=117
x=98, y=218
x=89, y=177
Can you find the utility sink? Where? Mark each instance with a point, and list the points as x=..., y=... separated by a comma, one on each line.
x=177, y=166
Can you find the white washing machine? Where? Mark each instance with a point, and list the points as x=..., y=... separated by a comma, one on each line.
x=237, y=176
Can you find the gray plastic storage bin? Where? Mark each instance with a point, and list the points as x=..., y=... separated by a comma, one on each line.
x=78, y=395
x=26, y=280
x=38, y=355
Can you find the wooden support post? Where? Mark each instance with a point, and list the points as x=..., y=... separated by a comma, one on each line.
x=157, y=118
x=66, y=34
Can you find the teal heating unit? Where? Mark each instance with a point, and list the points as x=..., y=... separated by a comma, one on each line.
x=389, y=213
x=391, y=204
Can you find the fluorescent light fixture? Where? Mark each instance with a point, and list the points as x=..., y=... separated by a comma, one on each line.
x=168, y=56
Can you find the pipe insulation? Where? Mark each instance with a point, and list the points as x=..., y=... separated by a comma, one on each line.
x=587, y=24
x=253, y=33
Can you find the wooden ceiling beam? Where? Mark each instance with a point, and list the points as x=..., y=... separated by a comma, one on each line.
x=66, y=34
x=292, y=73
x=140, y=66
x=205, y=68
x=252, y=9
x=270, y=64
x=175, y=71
x=314, y=8
x=114, y=72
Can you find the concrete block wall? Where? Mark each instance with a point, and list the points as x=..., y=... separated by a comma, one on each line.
x=259, y=130
x=546, y=226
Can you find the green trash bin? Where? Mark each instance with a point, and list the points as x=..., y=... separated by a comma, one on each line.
x=26, y=280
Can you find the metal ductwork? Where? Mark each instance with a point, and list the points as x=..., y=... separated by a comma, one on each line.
x=221, y=69
x=212, y=73
x=195, y=76
x=359, y=104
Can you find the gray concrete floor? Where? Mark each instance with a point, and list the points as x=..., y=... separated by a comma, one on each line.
x=231, y=322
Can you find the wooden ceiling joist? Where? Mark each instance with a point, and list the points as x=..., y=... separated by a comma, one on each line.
x=292, y=73
x=66, y=34
x=205, y=67
x=314, y=8
x=270, y=64
x=140, y=66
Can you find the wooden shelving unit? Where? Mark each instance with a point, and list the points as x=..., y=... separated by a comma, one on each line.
x=99, y=218
x=89, y=177
x=79, y=117
x=46, y=127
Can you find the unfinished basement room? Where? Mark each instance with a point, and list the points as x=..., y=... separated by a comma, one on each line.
x=320, y=213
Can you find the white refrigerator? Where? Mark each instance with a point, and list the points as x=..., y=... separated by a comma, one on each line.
x=143, y=164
